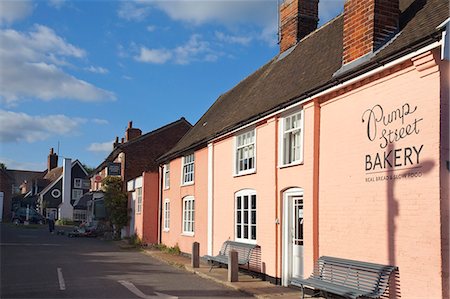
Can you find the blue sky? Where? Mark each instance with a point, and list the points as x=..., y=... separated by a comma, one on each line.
x=75, y=72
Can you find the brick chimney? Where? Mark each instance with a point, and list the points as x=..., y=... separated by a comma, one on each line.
x=116, y=142
x=131, y=132
x=368, y=25
x=52, y=160
x=298, y=18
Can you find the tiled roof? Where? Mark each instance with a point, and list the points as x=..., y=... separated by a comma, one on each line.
x=160, y=138
x=54, y=174
x=307, y=70
x=19, y=176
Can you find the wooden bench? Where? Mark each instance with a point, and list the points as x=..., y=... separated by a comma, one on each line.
x=244, y=251
x=348, y=278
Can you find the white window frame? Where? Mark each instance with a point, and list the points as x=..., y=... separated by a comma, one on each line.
x=75, y=191
x=166, y=215
x=252, y=220
x=284, y=133
x=237, y=147
x=139, y=200
x=166, y=176
x=188, y=222
x=77, y=183
x=185, y=167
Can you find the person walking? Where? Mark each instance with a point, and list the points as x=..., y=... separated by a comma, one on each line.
x=51, y=221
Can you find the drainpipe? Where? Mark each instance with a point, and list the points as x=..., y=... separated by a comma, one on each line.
x=160, y=203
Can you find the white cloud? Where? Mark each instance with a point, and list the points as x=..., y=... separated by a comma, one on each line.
x=99, y=121
x=158, y=56
x=233, y=39
x=127, y=77
x=133, y=11
x=32, y=67
x=195, y=49
x=12, y=10
x=97, y=70
x=17, y=126
x=101, y=147
x=57, y=3
x=151, y=28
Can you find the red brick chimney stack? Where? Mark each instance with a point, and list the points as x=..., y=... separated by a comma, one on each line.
x=116, y=142
x=298, y=18
x=368, y=25
x=131, y=132
x=52, y=160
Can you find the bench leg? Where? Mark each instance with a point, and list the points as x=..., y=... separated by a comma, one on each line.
x=303, y=292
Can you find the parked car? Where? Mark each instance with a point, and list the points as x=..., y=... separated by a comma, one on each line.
x=20, y=215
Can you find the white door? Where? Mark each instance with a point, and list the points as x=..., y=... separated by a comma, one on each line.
x=297, y=236
x=292, y=259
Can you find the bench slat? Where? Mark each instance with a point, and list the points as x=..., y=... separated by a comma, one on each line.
x=348, y=278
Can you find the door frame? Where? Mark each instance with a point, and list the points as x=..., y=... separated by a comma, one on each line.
x=286, y=263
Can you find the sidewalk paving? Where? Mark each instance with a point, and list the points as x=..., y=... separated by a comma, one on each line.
x=246, y=284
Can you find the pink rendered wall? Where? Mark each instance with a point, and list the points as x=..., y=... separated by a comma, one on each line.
x=150, y=206
x=263, y=181
x=176, y=193
x=368, y=214
x=269, y=182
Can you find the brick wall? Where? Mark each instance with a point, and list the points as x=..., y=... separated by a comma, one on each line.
x=367, y=25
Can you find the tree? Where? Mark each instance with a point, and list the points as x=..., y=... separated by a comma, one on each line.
x=88, y=169
x=116, y=203
x=2, y=166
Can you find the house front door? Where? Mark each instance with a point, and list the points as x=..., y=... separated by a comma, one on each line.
x=292, y=235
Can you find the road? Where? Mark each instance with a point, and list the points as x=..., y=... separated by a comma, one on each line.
x=37, y=264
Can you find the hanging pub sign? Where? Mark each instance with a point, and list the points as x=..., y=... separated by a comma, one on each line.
x=114, y=169
x=387, y=129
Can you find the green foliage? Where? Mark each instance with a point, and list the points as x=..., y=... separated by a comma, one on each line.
x=2, y=166
x=172, y=250
x=116, y=203
x=64, y=221
x=135, y=241
x=88, y=169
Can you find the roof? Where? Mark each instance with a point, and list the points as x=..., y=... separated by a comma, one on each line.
x=158, y=136
x=307, y=70
x=54, y=174
x=19, y=176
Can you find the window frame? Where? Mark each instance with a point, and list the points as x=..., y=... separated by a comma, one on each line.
x=166, y=213
x=183, y=167
x=238, y=172
x=77, y=190
x=78, y=183
x=139, y=201
x=283, y=132
x=250, y=193
x=185, y=222
x=166, y=176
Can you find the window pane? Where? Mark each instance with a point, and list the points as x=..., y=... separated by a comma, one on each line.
x=238, y=231
x=253, y=201
x=239, y=217
x=245, y=217
x=245, y=231
x=253, y=232
x=245, y=202
x=238, y=202
x=253, y=217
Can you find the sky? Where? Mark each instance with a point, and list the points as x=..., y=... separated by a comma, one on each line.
x=74, y=73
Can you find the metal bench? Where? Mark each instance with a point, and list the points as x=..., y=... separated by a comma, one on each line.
x=244, y=251
x=348, y=278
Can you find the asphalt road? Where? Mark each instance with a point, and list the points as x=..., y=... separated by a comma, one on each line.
x=37, y=264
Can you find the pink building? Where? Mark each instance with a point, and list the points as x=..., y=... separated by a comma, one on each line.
x=338, y=146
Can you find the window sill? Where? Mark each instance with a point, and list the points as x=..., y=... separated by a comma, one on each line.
x=166, y=188
x=187, y=184
x=166, y=230
x=248, y=172
x=187, y=234
x=245, y=241
x=290, y=165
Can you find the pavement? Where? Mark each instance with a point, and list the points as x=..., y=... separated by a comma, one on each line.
x=246, y=284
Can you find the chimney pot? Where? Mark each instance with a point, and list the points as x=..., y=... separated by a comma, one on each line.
x=130, y=124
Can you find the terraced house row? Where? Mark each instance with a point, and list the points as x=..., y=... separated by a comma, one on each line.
x=338, y=146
